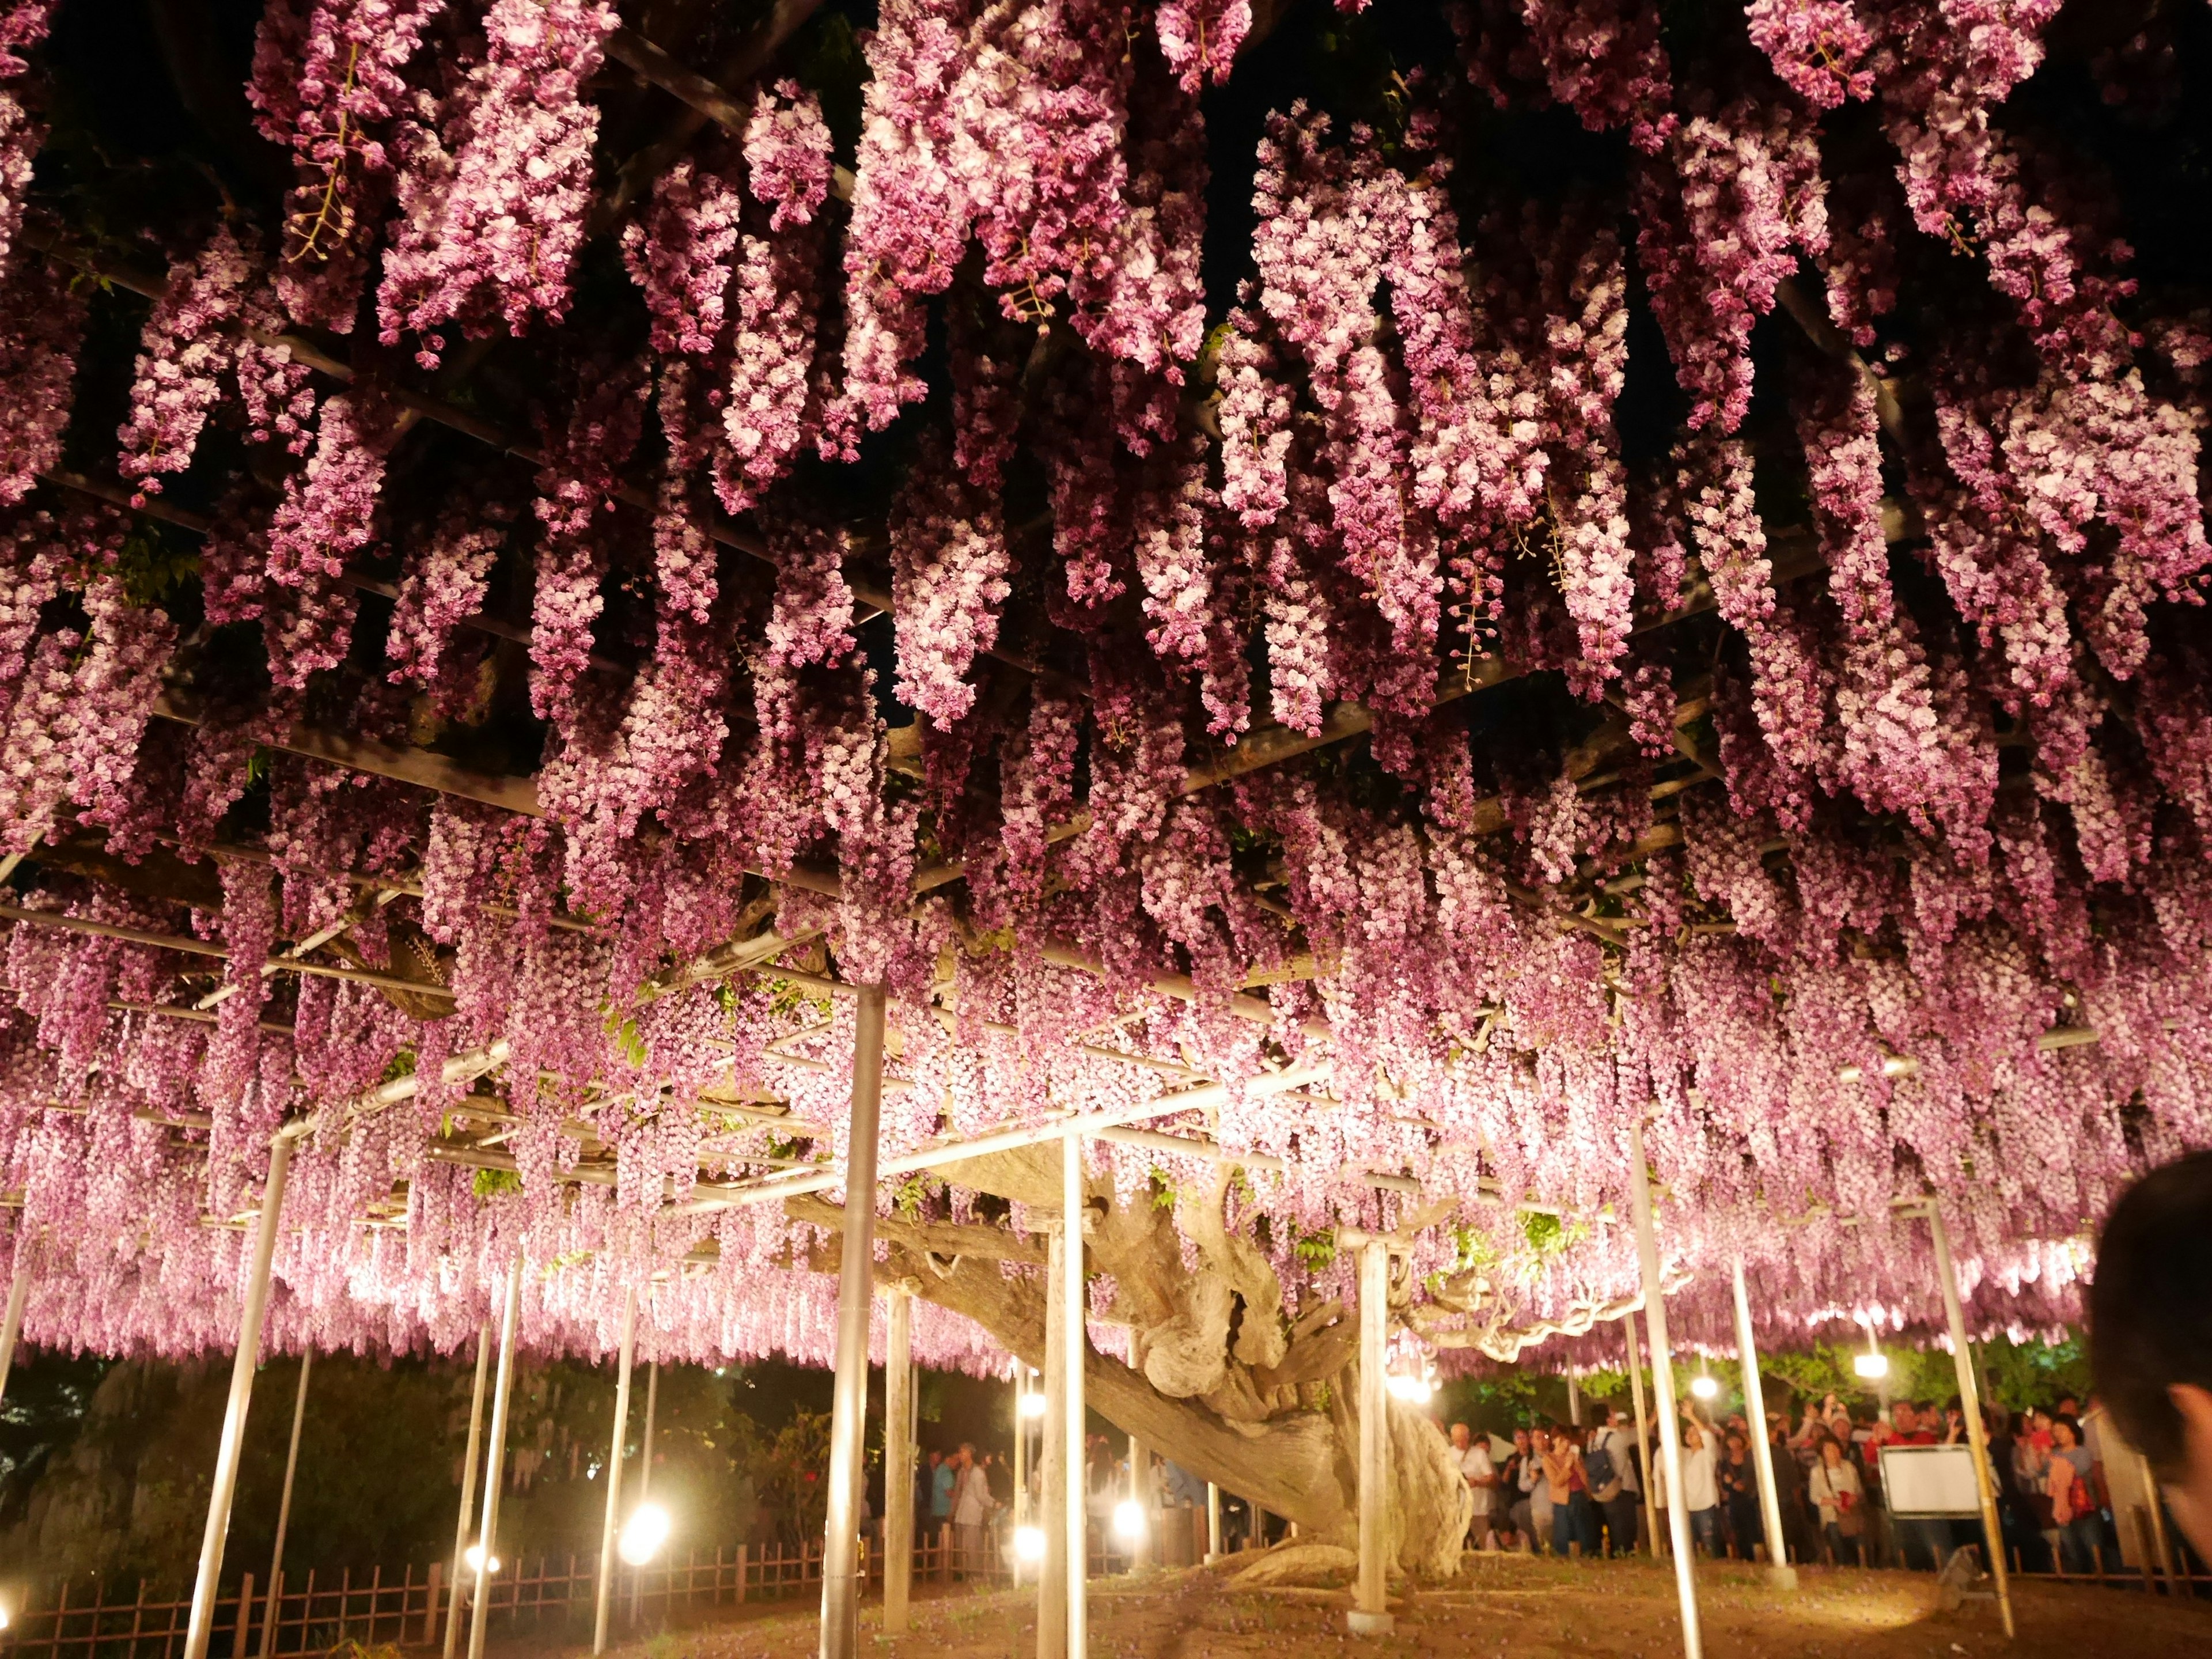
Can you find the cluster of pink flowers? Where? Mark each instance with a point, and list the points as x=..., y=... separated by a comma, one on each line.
x=1782, y=858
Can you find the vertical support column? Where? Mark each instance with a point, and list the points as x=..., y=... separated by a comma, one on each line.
x=1779, y=1572
x=19, y=1292
x=1970, y=1402
x=468, y=1489
x=856, y=1297
x=1643, y=1438
x=1076, y=1348
x=284, y=1506
x=603, y=1598
x=1370, y=1608
x=1213, y=1522
x=1021, y=1455
x=1052, y=1434
x=898, y=1462
x=201, y=1628
x=1574, y=1397
x=1141, y=1489
x=1662, y=1382
x=496, y=1464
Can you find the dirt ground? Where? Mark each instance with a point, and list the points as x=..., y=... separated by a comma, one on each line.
x=1512, y=1607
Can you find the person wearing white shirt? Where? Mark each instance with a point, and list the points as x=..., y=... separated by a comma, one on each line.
x=1701, y=1490
x=1481, y=1475
x=1535, y=1489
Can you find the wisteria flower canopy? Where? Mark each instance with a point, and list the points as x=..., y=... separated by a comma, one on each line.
x=1386, y=595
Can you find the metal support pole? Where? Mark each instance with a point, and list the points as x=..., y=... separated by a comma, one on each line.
x=645, y=1474
x=1074, y=1204
x=1574, y=1397
x=856, y=1296
x=604, y=1600
x=1662, y=1382
x=1970, y=1402
x=19, y=1292
x=1021, y=1455
x=1140, y=1548
x=468, y=1489
x=1213, y=1522
x=495, y=1463
x=1370, y=1608
x=1780, y=1573
x=1643, y=1438
x=202, y=1626
x=898, y=1462
x=1051, y=1453
x=284, y=1504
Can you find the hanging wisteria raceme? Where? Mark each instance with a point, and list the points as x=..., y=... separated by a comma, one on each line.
x=328, y=78
x=498, y=216
x=42, y=320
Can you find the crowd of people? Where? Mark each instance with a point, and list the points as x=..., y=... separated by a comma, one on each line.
x=1577, y=1491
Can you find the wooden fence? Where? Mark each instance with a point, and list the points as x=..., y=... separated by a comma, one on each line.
x=104, y=1620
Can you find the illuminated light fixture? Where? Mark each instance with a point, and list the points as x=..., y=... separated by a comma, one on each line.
x=474, y=1559
x=1704, y=1387
x=3, y=1617
x=1414, y=1390
x=1029, y=1543
x=1033, y=1405
x=643, y=1535
x=1873, y=1364
x=1129, y=1520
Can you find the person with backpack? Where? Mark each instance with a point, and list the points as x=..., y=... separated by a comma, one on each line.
x=1611, y=1471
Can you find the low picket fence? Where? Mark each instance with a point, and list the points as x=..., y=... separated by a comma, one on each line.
x=100, y=1620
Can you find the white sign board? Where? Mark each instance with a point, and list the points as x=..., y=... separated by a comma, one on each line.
x=1929, y=1482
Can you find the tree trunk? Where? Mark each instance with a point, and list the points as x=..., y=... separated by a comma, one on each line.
x=1225, y=1384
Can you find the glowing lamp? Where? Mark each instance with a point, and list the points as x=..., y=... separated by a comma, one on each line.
x=1414, y=1390
x=1871, y=1366
x=1129, y=1520
x=1032, y=1405
x=474, y=1556
x=1029, y=1543
x=1704, y=1387
x=3, y=1617
x=643, y=1535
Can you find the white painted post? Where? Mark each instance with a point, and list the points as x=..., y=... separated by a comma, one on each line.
x=285, y=1507
x=898, y=1462
x=19, y=1292
x=1052, y=1450
x=1074, y=1203
x=1213, y=1522
x=1779, y=1572
x=1371, y=1610
x=1643, y=1438
x=645, y=1475
x=1970, y=1402
x=1662, y=1380
x=201, y=1626
x=1140, y=1547
x=495, y=1463
x=603, y=1596
x=1574, y=1397
x=458, y=1593
x=856, y=1297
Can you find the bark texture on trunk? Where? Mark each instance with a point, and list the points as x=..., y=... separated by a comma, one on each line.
x=1226, y=1380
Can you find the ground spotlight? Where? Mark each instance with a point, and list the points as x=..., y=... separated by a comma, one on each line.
x=1129, y=1519
x=643, y=1533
